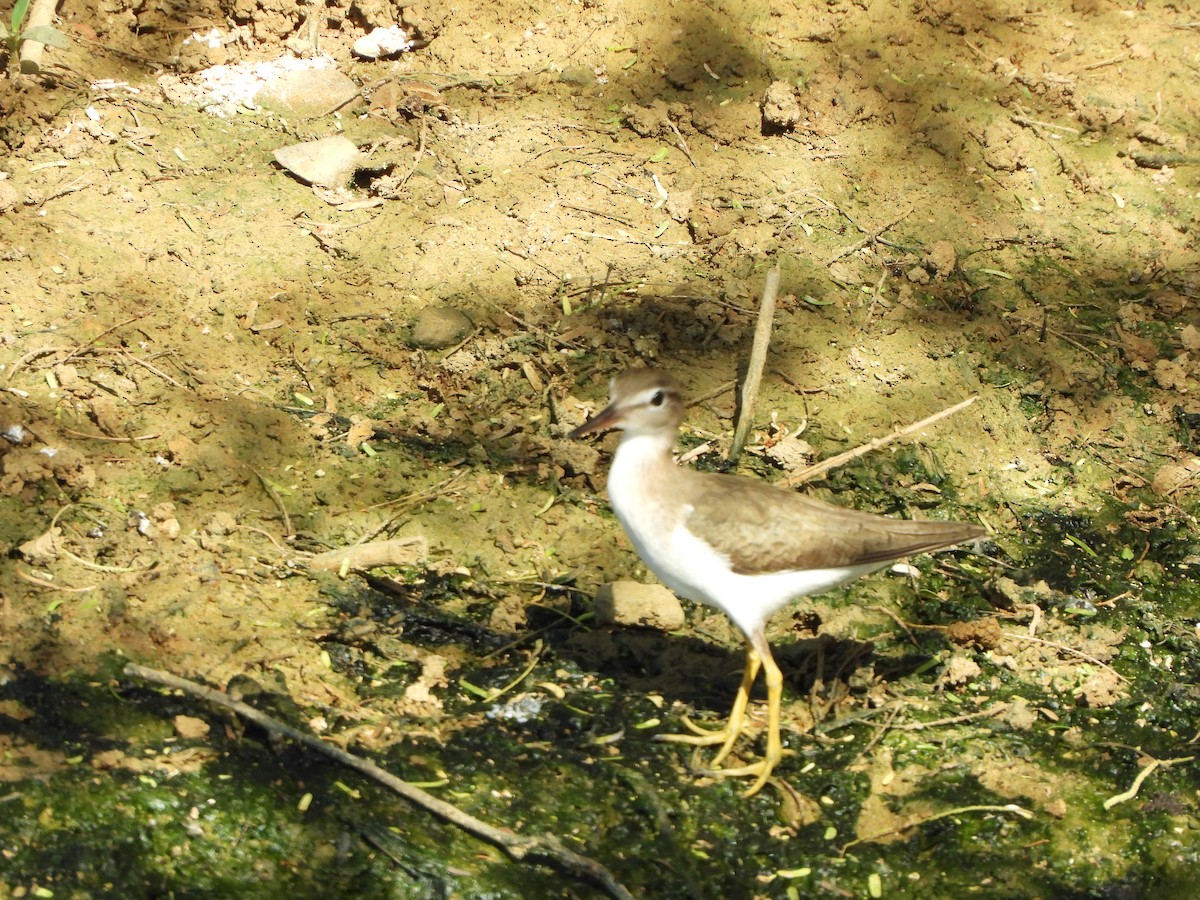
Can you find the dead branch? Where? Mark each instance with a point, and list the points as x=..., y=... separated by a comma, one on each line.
x=842, y=458
x=409, y=551
x=41, y=13
x=871, y=235
x=1142, y=776
x=1066, y=649
x=758, y=360
x=105, y=333
x=288, y=533
x=545, y=848
x=949, y=813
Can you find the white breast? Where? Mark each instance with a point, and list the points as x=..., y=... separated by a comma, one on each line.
x=637, y=485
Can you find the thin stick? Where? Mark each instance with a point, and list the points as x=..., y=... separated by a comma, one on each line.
x=546, y=848
x=41, y=12
x=1034, y=123
x=871, y=235
x=758, y=359
x=32, y=355
x=715, y=392
x=842, y=458
x=990, y=712
x=50, y=585
x=284, y=551
x=97, y=567
x=104, y=437
x=1065, y=649
x=409, y=551
x=1142, y=776
x=157, y=371
x=105, y=333
x=682, y=144
x=278, y=501
x=962, y=810
x=880, y=731
x=1111, y=61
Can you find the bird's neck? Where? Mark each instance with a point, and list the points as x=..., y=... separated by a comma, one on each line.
x=645, y=449
x=642, y=466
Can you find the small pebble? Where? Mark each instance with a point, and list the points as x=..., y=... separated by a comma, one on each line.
x=439, y=327
x=631, y=603
x=382, y=43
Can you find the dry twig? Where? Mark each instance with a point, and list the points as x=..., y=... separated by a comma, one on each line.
x=288, y=533
x=1065, y=649
x=872, y=235
x=409, y=551
x=41, y=13
x=842, y=458
x=50, y=585
x=105, y=437
x=107, y=331
x=1034, y=123
x=958, y=811
x=1142, y=776
x=758, y=360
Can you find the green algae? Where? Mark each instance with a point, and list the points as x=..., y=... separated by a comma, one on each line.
x=585, y=768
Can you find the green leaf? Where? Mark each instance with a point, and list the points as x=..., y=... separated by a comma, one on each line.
x=45, y=34
x=473, y=689
x=18, y=15
x=1082, y=546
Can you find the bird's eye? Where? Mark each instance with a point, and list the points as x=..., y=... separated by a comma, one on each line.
x=657, y=399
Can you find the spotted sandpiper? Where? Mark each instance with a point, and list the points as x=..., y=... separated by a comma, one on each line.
x=738, y=544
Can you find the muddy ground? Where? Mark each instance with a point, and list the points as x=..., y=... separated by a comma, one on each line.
x=213, y=373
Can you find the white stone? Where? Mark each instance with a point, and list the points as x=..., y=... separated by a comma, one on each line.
x=328, y=162
x=383, y=42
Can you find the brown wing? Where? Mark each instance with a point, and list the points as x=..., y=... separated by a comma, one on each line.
x=767, y=529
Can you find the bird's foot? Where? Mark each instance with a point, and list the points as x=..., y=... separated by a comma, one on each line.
x=701, y=737
x=760, y=771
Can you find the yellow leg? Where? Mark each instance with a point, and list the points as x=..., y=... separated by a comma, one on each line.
x=727, y=736
x=774, y=679
x=737, y=715
x=758, y=656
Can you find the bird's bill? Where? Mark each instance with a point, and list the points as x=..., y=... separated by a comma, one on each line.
x=605, y=420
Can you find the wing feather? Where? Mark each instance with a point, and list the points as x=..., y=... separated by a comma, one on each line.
x=761, y=528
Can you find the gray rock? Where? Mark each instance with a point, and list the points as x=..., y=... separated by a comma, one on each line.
x=633, y=604
x=328, y=162
x=439, y=327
